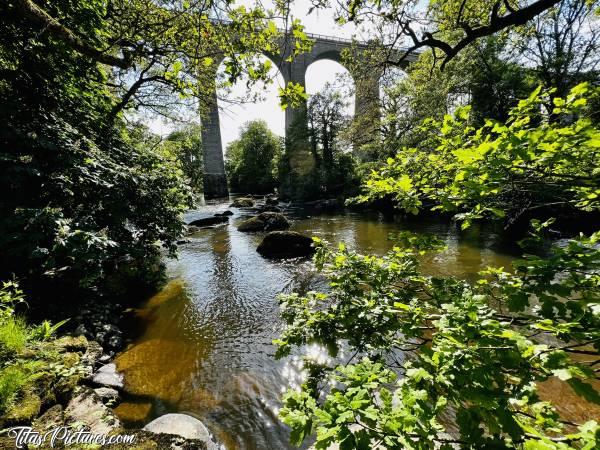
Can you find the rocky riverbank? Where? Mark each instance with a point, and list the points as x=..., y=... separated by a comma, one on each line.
x=80, y=386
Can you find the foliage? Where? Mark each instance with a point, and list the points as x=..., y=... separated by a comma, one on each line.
x=327, y=121
x=83, y=197
x=252, y=160
x=428, y=348
x=536, y=160
x=185, y=145
x=438, y=362
x=18, y=373
x=447, y=27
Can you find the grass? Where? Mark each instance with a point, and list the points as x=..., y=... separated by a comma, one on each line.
x=12, y=380
x=14, y=335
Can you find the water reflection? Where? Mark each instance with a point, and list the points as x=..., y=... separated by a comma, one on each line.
x=205, y=346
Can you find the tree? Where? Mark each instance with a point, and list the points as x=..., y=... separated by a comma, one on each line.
x=503, y=170
x=327, y=122
x=252, y=160
x=186, y=144
x=446, y=27
x=87, y=196
x=562, y=45
x=424, y=353
x=326, y=119
x=161, y=51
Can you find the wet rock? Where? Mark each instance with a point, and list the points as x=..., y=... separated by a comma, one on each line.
x=134, y=413
x=285, y=244
x=182, y=425
x=107, y=395
x=183, y=241
x=87, y=408
x=271, y=201
x=224, y=214
x=242, y=202
x=100, y=337
x=107, y=375
x=191, y=229
x=266, y=221
x=209, y=221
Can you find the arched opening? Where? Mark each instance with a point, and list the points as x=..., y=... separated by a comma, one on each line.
x=325, y=72
x=244, y=132
x=240, y=103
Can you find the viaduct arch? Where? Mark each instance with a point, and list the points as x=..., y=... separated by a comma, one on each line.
x=324, y=47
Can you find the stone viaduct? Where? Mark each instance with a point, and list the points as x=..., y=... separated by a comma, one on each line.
x=324, y=47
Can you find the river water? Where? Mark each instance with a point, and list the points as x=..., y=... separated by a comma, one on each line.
x=203, y=345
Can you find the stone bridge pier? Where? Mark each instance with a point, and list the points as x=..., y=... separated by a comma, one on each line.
x=301, y=161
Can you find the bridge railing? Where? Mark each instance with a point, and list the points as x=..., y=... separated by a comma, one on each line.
x=321, y=36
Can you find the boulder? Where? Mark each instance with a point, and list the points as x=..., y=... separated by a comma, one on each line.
x=266, y=221
x=209, y=221
x=242, y=202
x=52, y=418
x=182, y=425
x=72, y=343
x=224, y=214
x=108, y=376
x=87, y=408
x=285, y=244
x=107, y=395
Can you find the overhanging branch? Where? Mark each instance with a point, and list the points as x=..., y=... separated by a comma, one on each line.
x=37, y=15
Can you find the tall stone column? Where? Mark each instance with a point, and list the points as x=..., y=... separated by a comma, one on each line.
x=215, y=180
x=300, y=158
x=367, y=115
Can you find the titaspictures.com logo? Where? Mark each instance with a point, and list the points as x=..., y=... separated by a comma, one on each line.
x=64, y=436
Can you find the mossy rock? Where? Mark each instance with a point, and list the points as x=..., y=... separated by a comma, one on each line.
x=72, y=343
x=25, y=409
x=53, y=417
x=70, y=359
x=242, y=202
x=266, y=221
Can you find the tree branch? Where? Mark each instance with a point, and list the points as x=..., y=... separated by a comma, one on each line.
x=37, y=15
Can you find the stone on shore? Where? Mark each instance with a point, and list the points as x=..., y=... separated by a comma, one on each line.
x=182, y=425
x=87, y=408
x=108, y=376
x=266, y=221
x=285, y=244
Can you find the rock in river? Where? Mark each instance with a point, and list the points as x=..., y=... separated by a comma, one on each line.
x=182, y=425
x=208, y=221
x=243, y=202
x=285, y=244
x=266, y=221
x=107, y=375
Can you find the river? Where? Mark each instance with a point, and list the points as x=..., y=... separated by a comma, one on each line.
x=203, y=344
